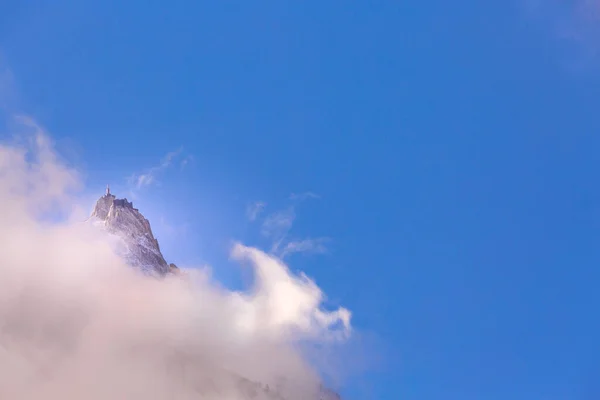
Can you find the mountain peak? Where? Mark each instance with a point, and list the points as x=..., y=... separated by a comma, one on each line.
x=141, y=249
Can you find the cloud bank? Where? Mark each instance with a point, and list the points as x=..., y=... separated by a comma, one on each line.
x=77, y=323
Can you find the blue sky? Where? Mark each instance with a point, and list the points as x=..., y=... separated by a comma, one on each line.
x=452, y=148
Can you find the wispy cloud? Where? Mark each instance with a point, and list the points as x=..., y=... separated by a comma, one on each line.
x=314, y=246
x=277, y=227
x=304, y=196
x=278, y=222
x=151, y=175
x=255, y=209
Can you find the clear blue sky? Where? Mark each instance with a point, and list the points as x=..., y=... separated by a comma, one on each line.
x=453, y=145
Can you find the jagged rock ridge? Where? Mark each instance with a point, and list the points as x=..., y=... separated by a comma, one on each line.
x=140, y=247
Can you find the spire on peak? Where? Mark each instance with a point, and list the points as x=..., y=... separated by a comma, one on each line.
x=107, y=190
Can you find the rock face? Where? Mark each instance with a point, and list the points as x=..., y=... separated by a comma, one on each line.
x=140, y=247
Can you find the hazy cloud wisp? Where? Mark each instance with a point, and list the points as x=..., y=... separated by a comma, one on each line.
x=277, y=226
x=150, y=176
x=254, y=210
x=315, y=246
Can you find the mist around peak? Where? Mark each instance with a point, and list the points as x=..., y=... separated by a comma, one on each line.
x=77, y=323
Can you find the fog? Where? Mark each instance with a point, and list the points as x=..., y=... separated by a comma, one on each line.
x=77, y=323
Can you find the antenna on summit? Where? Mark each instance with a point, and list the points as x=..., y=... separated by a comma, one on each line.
x=107, y=190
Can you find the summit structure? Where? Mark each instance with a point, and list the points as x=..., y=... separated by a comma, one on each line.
x=140, y=248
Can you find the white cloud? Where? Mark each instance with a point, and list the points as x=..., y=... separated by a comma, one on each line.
x=77, y=323
x=287, y=302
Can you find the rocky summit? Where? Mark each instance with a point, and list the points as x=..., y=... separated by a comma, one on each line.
x=139, y=248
